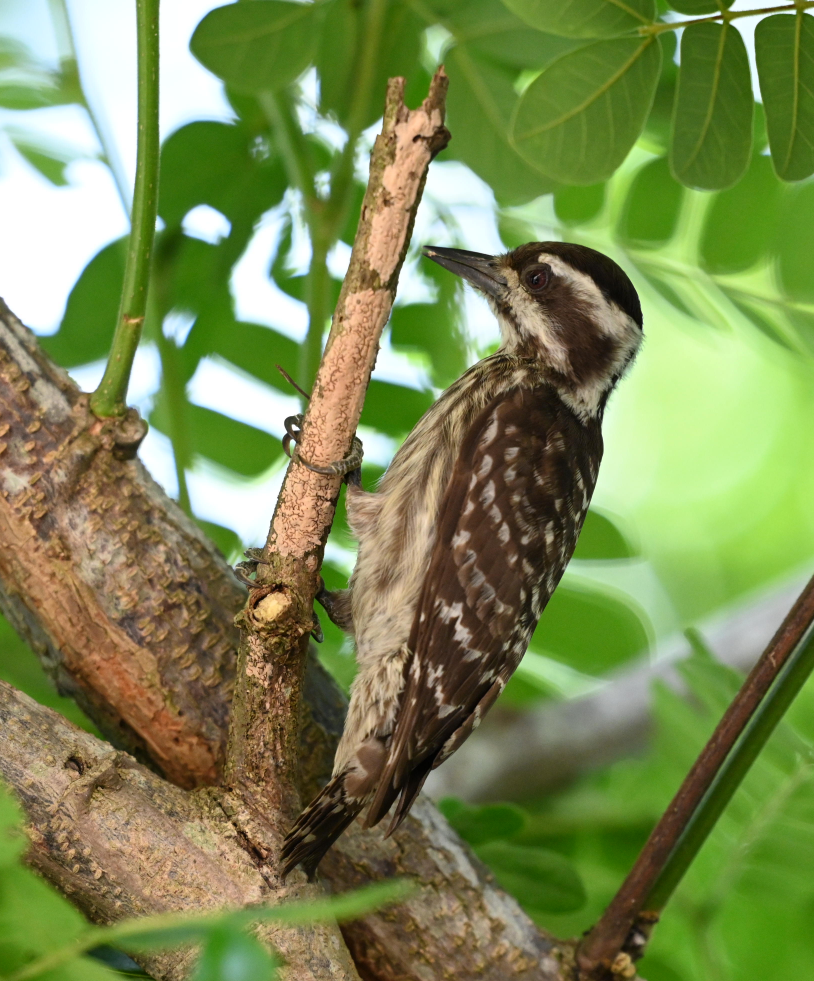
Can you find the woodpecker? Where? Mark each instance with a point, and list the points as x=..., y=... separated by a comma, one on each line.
x=471, y=528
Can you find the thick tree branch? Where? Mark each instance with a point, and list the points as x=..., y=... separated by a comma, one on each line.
x=119, y=841
x=122, y=596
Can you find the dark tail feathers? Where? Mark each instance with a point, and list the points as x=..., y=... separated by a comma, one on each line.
x=318, y=827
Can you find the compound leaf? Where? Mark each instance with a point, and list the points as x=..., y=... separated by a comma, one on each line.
x=580, y=117
x=584, y=18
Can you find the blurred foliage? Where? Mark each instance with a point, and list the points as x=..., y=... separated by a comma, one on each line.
x=706, y=487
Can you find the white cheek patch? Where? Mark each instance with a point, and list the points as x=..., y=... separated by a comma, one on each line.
x=529, y=322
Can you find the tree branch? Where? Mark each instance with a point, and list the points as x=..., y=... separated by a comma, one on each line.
x=131, y=610
x=601, y=946
x=278, y=617
x=121, y=842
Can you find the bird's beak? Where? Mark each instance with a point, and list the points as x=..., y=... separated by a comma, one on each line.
x=482, y=271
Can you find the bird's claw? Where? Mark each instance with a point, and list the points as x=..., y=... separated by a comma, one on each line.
x=244, y=570
x=316, y=632
x=350, y=467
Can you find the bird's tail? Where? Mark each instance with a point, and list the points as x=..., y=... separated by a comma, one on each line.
x=318, y=827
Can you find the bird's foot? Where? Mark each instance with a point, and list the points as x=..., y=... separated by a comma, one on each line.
x=244, y=570
x=350, y=468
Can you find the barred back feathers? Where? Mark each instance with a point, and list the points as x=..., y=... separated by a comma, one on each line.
x=471, y=528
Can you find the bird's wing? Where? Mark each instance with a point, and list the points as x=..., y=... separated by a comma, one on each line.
x=508, y=525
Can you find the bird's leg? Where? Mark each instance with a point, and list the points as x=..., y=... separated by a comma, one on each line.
x=350, y=468
x=244, y=570
x=337, y=605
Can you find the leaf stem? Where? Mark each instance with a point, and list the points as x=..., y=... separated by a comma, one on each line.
x=277, y=109
x=109, y=397
x=697, y=806
x=662, y=26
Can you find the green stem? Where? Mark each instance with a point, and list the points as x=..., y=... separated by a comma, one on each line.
x=173, y=396
x=109, y=397
x=728, y=15
x=291, y=144
x=326, y=221
x=763, y=723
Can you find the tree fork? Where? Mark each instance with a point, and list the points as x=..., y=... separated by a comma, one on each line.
x=130, y=606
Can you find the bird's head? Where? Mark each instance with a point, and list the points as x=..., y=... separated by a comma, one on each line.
x=567, y=305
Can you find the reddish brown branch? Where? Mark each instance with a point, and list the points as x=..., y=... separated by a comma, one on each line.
x=604, y=942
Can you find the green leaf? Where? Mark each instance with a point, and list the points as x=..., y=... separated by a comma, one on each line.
x=585, y=18
x=337, y=55
x=712, y=124
x=480, y=103
x=20, y=666
x=479, y=825
x=578, y=205
x=48, y=160
x=266, y=44
x=14, y=54
x=232, y=955
x=489, y=29
x=225, y=166
x=663, y=285
x=93, y=306
x=796, y=244
x=228, y=541
x=696, y=8
x=13, y=840
x=590, y=629
x=580, y=117
x=435, y=329
x=538, y=879
x=394, y=409
x=601, y=538
x=232, y=444
x=650, y=213
x=741, y=223
x=17, y=96
x=784, y=48
x=253, y=348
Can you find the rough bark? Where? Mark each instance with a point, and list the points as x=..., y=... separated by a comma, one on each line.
x=513, y=756
x=120, y=594
x=119, y=841
x=132, y=611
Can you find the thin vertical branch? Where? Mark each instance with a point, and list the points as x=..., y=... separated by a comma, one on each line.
x=708, y=787
x=109, y=397
x=278, y=617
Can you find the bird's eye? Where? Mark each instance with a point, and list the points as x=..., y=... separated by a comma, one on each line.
x=536, y=278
